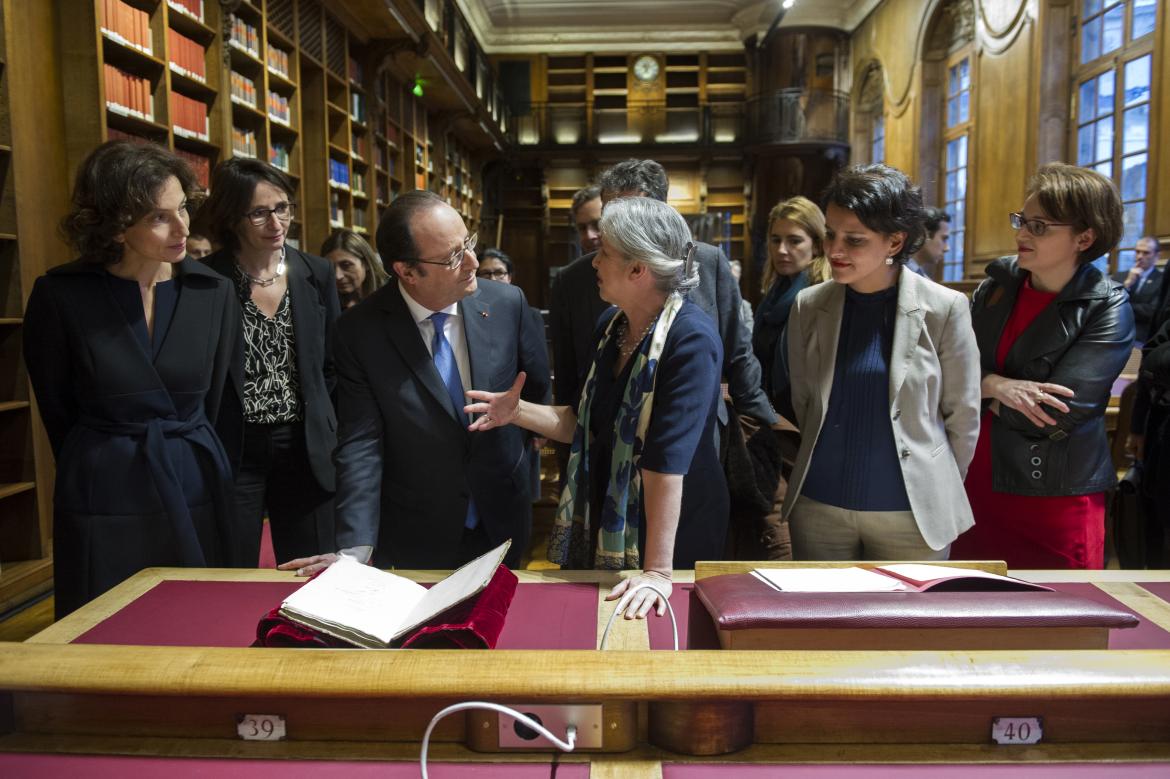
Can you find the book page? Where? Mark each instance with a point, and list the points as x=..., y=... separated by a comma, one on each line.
x=829, y=580
x=358, y=597
x=456, y=588
x=920, y=574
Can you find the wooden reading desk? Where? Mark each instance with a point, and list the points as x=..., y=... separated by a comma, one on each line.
x=154, y=676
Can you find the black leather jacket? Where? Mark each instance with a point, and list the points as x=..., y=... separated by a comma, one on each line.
x=1081, y=341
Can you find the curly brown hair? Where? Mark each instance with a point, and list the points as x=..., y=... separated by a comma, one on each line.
x=118, y=184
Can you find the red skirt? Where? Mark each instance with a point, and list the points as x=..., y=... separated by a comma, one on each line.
x=1027, y=531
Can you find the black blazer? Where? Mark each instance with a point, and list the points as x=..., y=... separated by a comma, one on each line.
x=312, y=291
x=1145, y=301
x=576, y=305
x=1081, y=341
x=406, y=467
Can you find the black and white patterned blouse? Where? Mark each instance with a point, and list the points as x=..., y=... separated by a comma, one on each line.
x=271, y=383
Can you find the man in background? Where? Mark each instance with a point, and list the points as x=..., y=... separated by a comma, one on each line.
x=1143, y=282
x=926, y=261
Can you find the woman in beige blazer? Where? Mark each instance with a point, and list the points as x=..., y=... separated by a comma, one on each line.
x=885, y=386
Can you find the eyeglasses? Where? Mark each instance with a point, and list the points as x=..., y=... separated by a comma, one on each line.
x=499, y=273
x=456, y=259
x=282, y=211
x=1036, y=227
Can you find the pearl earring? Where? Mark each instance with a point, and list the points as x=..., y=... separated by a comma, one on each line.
x=889, y=260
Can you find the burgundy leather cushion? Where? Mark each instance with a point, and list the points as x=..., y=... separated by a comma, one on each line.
x=741, y=601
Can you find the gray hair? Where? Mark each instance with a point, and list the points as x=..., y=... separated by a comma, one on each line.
x=649, y=231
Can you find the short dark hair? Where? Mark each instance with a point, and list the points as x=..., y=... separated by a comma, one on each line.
x=496, y=254
x=883, y=199
x=394, y=239
x=349, y=241
x=635, y=176
x=1084, y=199
x=233, y=183
x=116, y=185
x=933, y=219
x=581, y=197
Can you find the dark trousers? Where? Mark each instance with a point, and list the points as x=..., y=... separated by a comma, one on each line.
x=275, y=477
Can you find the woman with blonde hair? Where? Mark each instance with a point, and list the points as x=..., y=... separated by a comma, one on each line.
x=796, y=260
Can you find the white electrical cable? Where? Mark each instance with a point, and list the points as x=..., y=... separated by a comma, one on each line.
x=669, y=609
x=567, y=745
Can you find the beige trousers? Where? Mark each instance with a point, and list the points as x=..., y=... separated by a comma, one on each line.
x=823, y=532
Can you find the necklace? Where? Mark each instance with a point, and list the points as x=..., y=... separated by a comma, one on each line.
x=280, y=269
x=626, y=346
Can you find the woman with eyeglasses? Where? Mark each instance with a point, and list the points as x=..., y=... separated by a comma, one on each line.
x=128, y=349
x=1054, y=333
x=356, y=269
x=644, y=487
x=278, y=425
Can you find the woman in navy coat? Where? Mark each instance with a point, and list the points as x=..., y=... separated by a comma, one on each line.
x=128, y=350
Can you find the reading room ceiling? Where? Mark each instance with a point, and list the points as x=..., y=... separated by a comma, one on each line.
x=534, y=26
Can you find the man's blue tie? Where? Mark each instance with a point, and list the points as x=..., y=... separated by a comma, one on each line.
x=448, y=369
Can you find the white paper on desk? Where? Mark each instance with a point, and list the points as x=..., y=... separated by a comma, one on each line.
x=829, y=580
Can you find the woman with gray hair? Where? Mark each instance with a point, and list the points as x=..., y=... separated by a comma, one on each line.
x=643, y=488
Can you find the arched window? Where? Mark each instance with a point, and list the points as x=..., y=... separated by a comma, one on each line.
x=948, y=123
x=1115, y=46
x=869, y=120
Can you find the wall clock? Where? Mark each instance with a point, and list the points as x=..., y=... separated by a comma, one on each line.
x=646, y=68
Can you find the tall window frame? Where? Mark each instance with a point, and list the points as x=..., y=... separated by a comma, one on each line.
x=1111, y=131
x=958, y=122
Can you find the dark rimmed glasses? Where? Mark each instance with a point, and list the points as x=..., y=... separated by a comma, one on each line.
x=282, y=211
x=1036, y=227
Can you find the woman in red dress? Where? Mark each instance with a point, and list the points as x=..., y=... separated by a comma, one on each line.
x=1053, y=335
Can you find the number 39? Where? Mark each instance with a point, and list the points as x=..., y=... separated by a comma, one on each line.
x=260, y=727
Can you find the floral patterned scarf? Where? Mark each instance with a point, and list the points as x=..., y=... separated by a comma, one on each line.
x=617, y=537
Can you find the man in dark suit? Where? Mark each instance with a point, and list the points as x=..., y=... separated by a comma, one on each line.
x=415, y=489
x=1142, y=282
x=575, y=306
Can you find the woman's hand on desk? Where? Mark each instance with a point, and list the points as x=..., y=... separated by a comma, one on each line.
x=636, y=603
x=307, y=566
x=495, y=409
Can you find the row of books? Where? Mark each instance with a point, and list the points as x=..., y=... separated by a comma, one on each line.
x=192, y=8
x=360, y=220
x=278, y=108
x=187, y=56
x=338, y=173
x=278, y=61
x=357, y=106
x=244, y=142
x=127, y=25
x=243, y=88
x=199, y=164
x=245, y=35
x=359, y=182
x=189, y=117
x=336, y=216
x=359, y=146
x=280, y=156
x=128, y=94
x=356, y=74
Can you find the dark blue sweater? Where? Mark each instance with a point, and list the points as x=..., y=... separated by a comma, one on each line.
x=855, y=462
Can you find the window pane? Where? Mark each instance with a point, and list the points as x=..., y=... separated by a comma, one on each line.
x=1105, y=93
x=958, y=212
x=1102, y=264
x=1087, y=102
x=1136, y=129
x=1125, y=260
x=1133, y=177
x=1104, y=168
x=1114, y=22
x=952, y=112
x=964, y=106
x=1104, y=148
x=952, y=186
x=1085, y=145
x=1092, y=7
x=965, y=74
x=952, y=155
x=963, y=148
x=1137, y=80
x=1144, y=13
x=1091, y=40
x=952, y=81
x=1135, y=219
